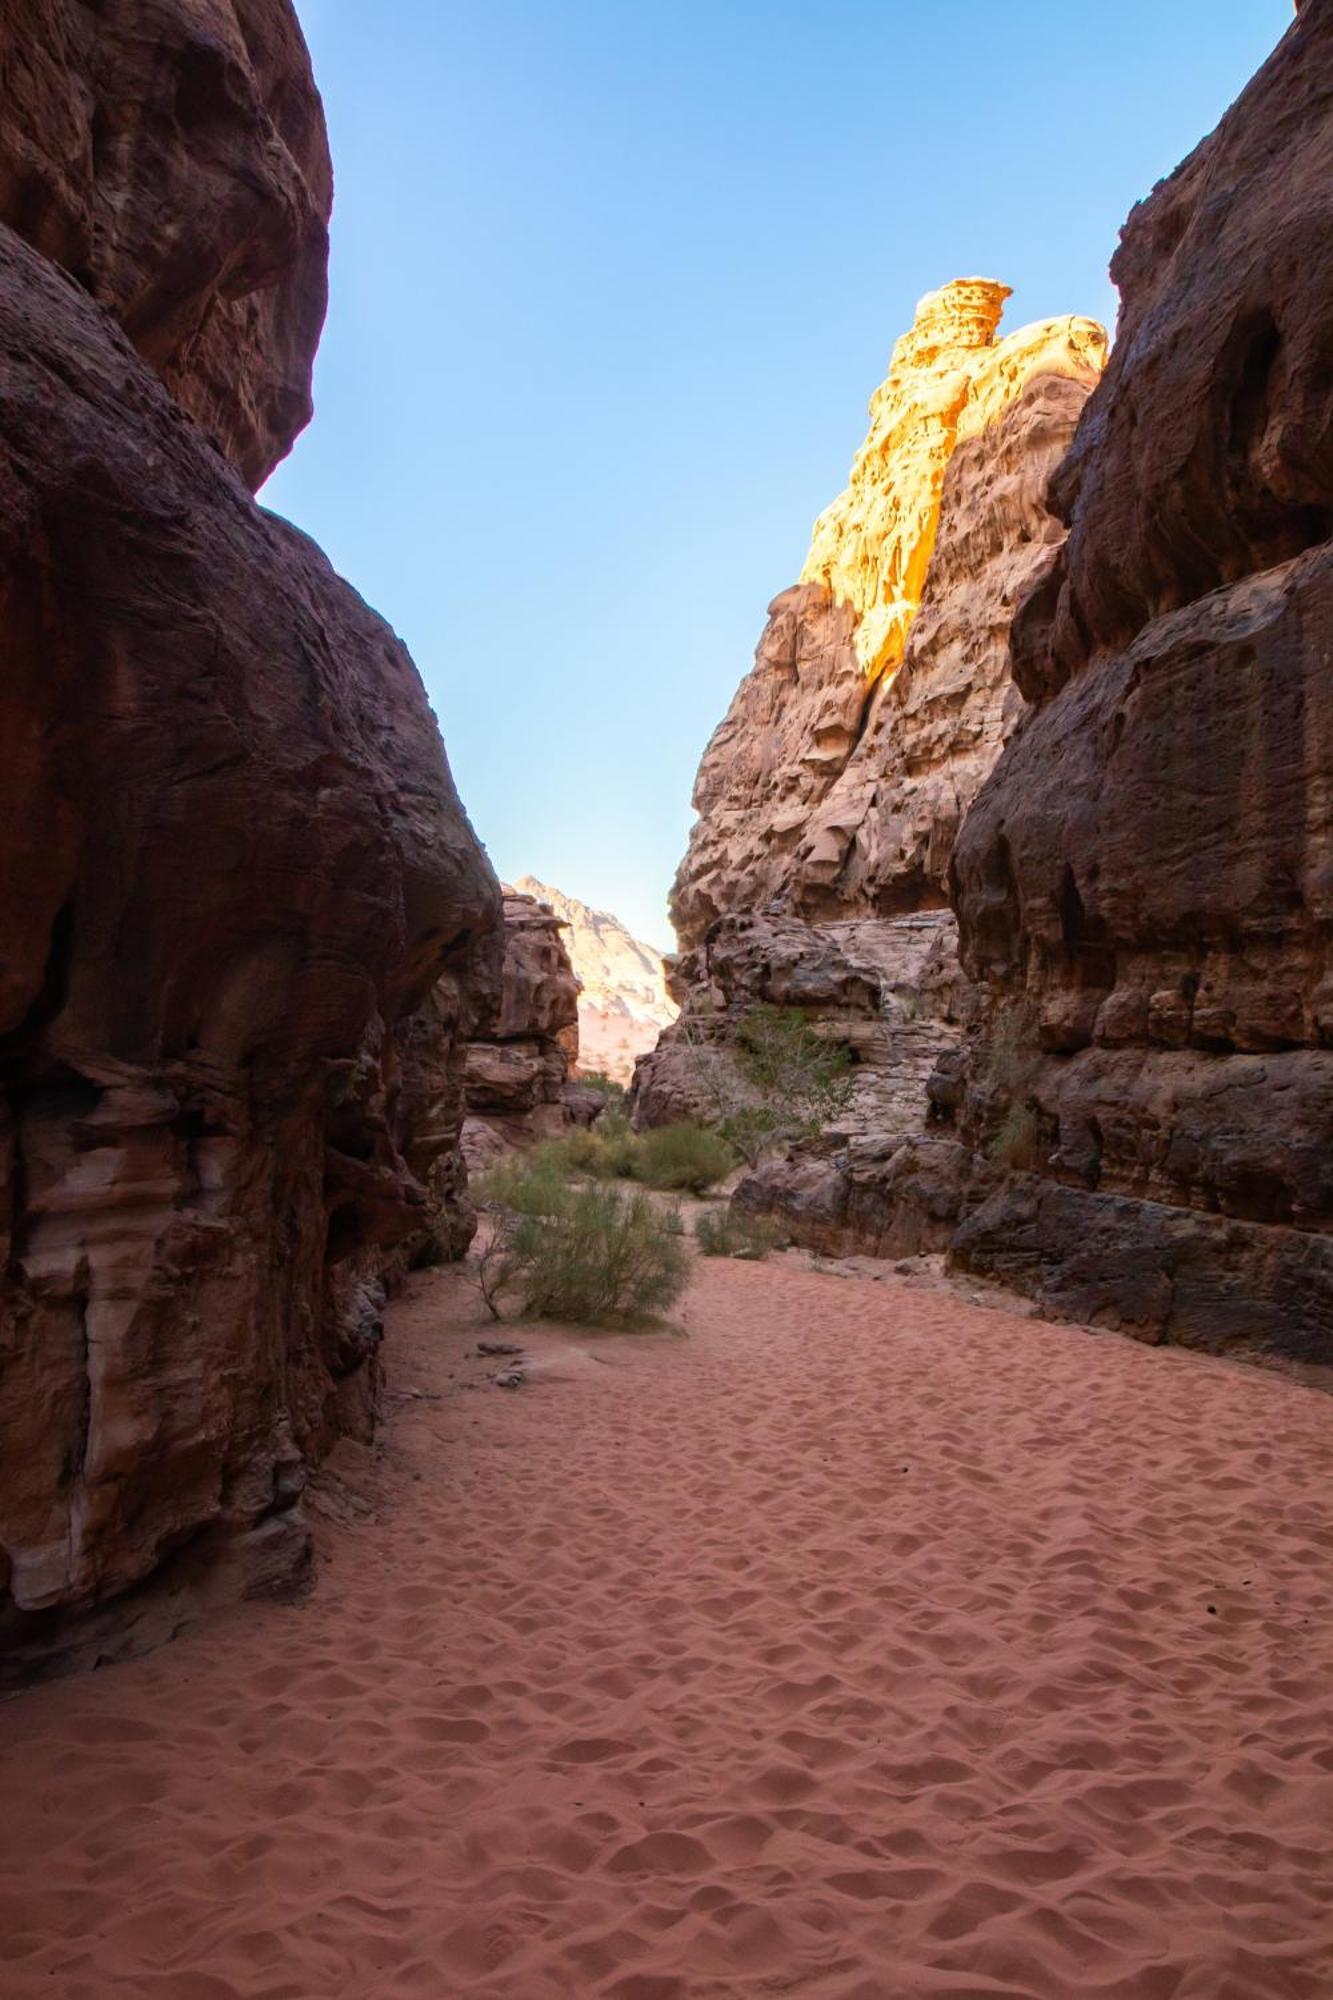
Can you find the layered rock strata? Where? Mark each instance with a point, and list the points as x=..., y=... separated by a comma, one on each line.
x=243, y=913
x=1145, y=884
x=518, y=1071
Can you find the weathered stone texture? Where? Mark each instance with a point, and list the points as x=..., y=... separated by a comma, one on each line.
x=1145, y=884
x=171, y=155
x=517, y=1075
x=831, y=794
x=232, y=867
x=835, y=783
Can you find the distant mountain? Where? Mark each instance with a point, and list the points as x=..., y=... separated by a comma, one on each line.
x=624, y=1003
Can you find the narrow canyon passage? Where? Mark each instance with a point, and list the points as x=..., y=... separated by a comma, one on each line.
x=865, y=1643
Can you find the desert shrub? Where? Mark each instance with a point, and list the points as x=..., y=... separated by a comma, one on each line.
x=774, y=1081
x=597, y=1255
x=621, y=1145
x=688, y=1158
x=583, y=1151
x=605, y=1151
x=531, y=1183
x=721, y=1232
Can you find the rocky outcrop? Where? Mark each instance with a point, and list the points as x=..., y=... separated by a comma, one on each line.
x=881, y=692
x=623, y=998
x=880, y=698
x=890, y=992
x=517, y=1076
x=1144, y=885
x=240, y=902
x=173, y=159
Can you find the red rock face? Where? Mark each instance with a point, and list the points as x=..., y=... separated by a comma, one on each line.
x=1145, y=885
x=517, y=1071
x=171, y=155
x=829, y=803
x=232, y=867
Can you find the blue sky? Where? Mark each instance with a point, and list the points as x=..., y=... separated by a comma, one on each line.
x=612, y=283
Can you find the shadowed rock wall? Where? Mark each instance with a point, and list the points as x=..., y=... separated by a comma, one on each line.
x=1145, y=885
x=243, y=919
x=172, y=157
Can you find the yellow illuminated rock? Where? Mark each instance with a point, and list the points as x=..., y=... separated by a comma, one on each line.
x=949, y=379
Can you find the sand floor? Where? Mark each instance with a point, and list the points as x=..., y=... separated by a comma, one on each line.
x=863, y=1644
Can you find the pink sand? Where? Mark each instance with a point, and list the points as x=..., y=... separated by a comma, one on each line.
x=864, y=1644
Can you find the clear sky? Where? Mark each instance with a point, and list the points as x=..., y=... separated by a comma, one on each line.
x=612, y=283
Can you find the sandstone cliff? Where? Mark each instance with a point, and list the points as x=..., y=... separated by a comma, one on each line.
x=518, y=1069
x=864, y=729
x=239, y=898
x=880, y=698
x=1144, y=884
x=623, y=999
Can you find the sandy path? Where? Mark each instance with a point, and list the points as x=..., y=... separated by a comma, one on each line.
x=864, y=1645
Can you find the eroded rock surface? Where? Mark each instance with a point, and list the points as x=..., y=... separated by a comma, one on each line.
x=171, y=156
x=241, y=907
x=623, y=998
x=1144, y=885
x=881, y=692
x=518, y=1069
x=880, y=698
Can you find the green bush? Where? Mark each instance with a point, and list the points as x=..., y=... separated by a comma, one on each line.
x=531, y=1183
x=720, y=1232
x=596, y=1255
x=683, y=1158
x=773, y=1081
x=606, y=1151
x=620, y=1145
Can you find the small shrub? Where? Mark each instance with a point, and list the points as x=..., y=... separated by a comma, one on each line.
x=720, y=1232
x=531, y=1183
x=621, y=1146
x=605, y=1151
x=775, y=1080
x=687, y=1158
x=595, y=1255
x=575, y=1153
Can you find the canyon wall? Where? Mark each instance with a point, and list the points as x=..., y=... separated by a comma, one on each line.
x=623, y=999
x=866, y=722
x=517, y=1069
x=880, y=697
x=1145, y=884
x=1108, y=746
x=244, y=917
x=173, y=160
